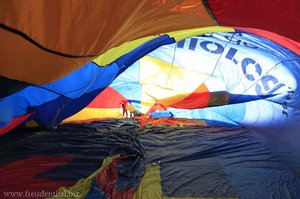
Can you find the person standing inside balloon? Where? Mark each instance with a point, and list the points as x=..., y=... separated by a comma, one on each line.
x=128, y=110
x=123, y=107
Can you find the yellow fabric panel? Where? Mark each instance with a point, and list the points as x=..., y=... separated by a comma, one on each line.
x=150, y=185
x=94, y=113
x=165, y=83
x=183, y=34
x=130, y=108
x=114, y=53
x=83, y=186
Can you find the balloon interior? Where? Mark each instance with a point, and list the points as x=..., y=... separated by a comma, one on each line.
x=197, y=112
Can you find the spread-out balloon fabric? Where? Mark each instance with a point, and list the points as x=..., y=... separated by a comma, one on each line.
x=117, y=159
x=168, y=103
x=243, y=88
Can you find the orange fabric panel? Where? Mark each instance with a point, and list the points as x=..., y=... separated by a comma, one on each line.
x=145, y=120
x=23, y=61
x=83, y=28
x=198, y=99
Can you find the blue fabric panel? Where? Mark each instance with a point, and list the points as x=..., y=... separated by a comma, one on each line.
x=56, y=101
x=96, y=192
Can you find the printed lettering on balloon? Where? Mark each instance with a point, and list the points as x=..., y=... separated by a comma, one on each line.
x=269, y=84
x=246, y=63
x=284, y=105
x=265, y=84
x=239, y=42
x=212, y=47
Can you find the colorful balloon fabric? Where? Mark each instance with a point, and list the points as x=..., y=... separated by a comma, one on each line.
x=178, y=99
x=218, y=76
x=43, y=40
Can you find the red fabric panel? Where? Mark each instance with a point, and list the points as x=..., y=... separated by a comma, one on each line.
x=20, y=176
x=109, y=98
x=281, y=17
x=13, y=123
x=123, y=194
x=286, y=42
x=156, y=107
x=106, y=179
x=198, y=99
